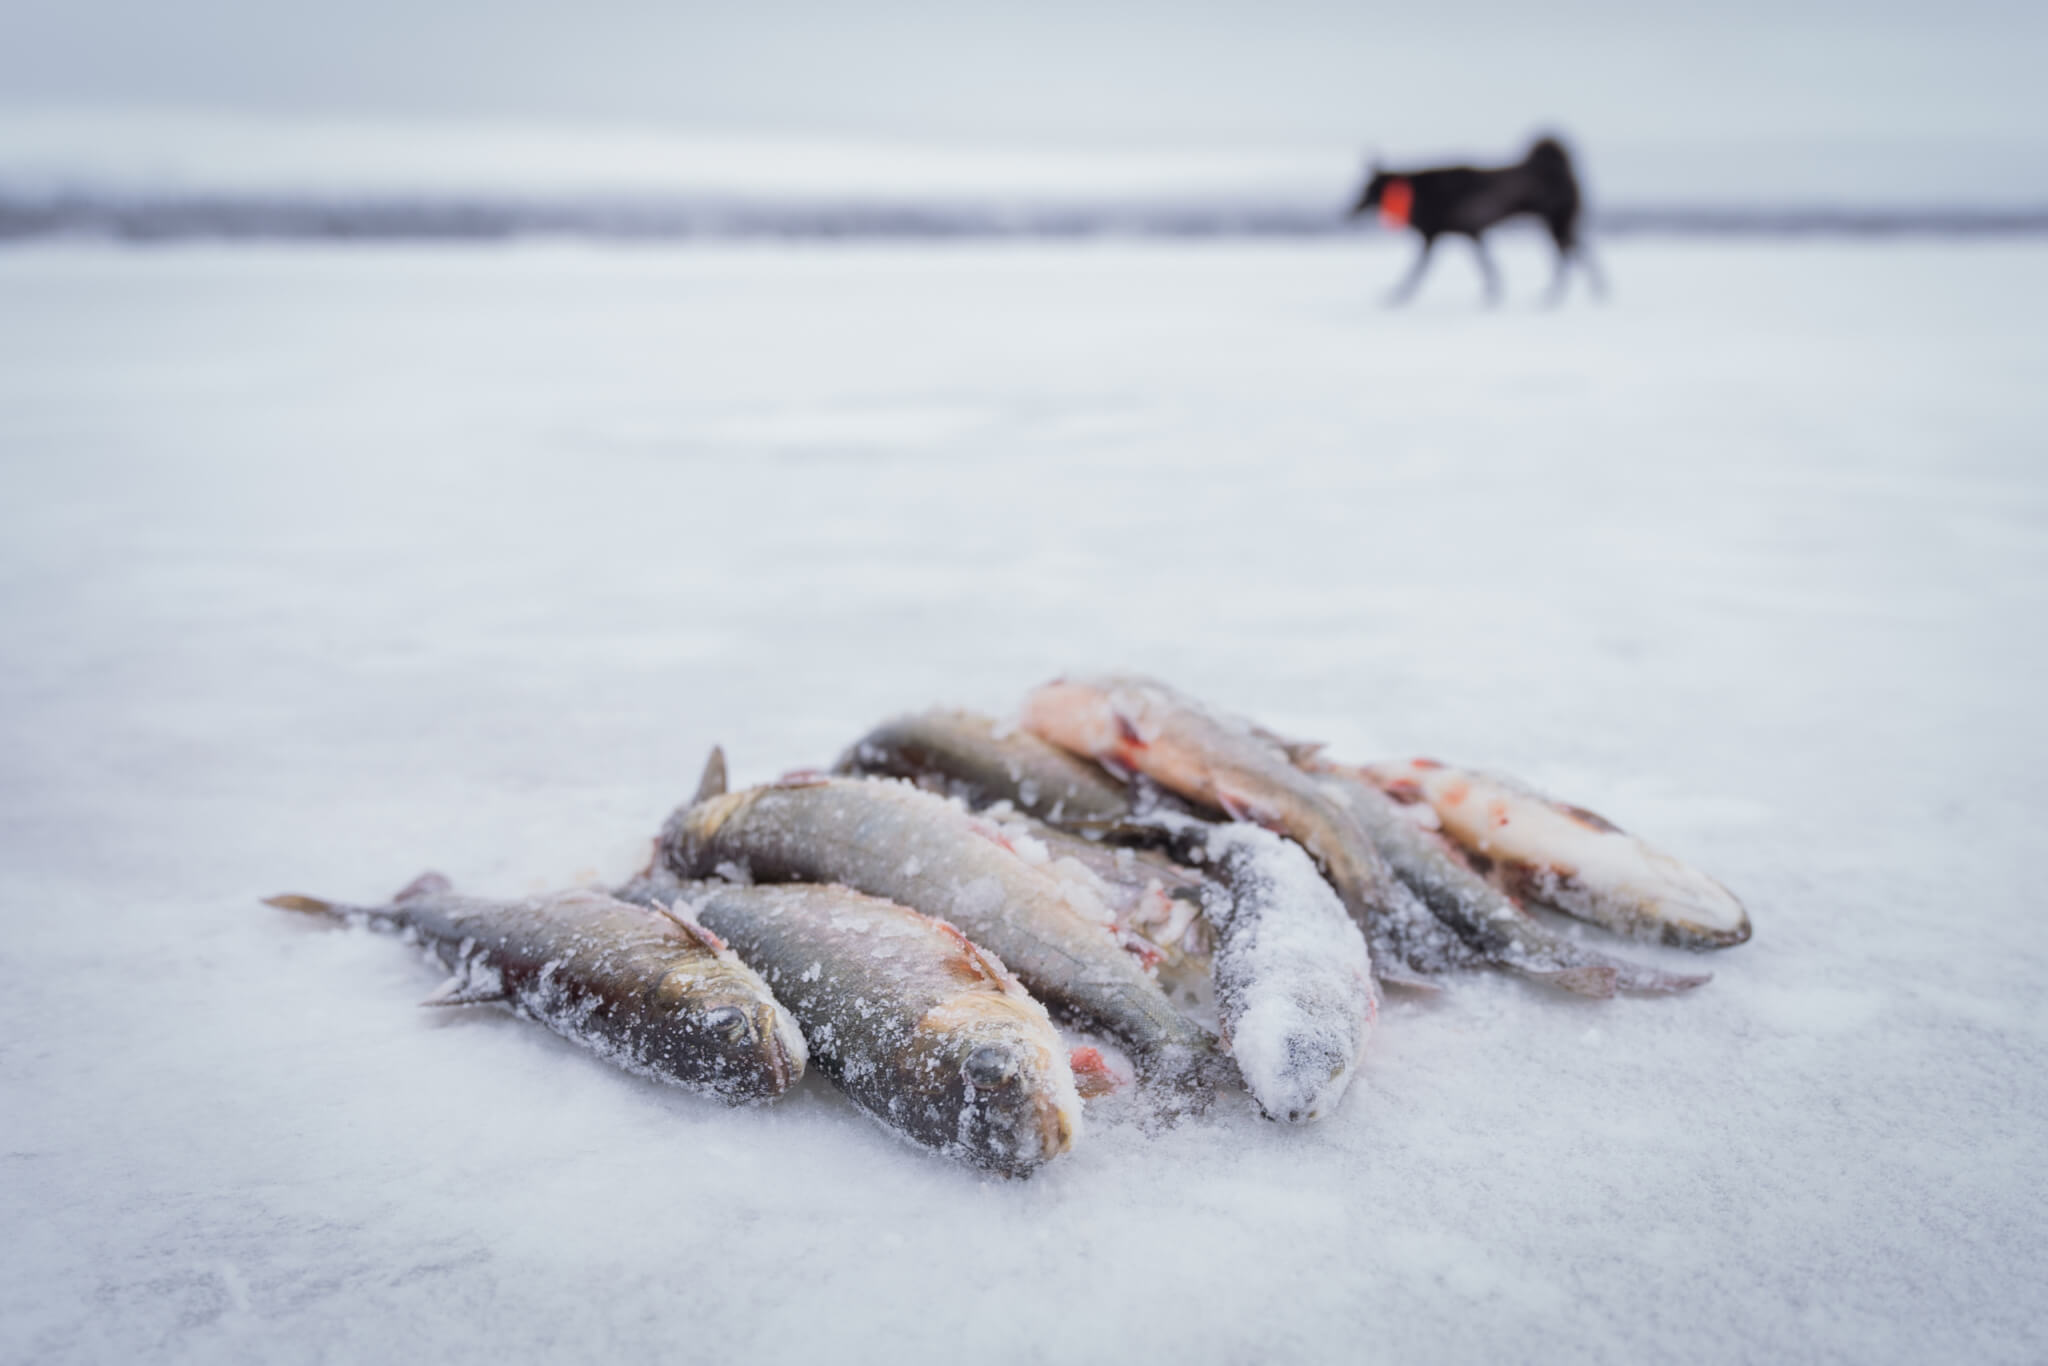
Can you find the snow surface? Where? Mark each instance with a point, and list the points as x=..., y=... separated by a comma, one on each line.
x=319, y=568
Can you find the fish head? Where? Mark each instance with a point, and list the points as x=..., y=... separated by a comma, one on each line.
x=728, y=1032
x=688, y=843
x=995, y=1072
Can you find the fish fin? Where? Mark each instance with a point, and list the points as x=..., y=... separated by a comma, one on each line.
x=1298, y=752
x=309, y=905
x=464, y=991
x=1389, y=973
x=1594, y=980
x=1592, y=820
x=1647, y=981
x=332, y=910
x=426, y=884
x=1127, y=730
x=712, y=783
x=679, y=916
x=978, y=960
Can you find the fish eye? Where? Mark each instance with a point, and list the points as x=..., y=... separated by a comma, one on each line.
x=989, y=1066
x=730, y=1021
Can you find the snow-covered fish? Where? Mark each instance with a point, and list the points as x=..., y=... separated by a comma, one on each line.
x=652, y=991
x=972, y=757
x=1440, y=875
x=893, y=840
x=1293, y=981
x=1568, y=858
x=1222, y=765
x=926, y=1032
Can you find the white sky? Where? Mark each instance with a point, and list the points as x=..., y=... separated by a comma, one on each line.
x=1822, y=86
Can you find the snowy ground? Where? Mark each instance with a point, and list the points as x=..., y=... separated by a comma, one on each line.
x=318, y=568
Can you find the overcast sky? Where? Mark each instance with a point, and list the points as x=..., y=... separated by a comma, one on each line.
x=1471, y=73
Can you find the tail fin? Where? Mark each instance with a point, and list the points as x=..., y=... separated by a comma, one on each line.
x=310, y=905
x=426, y=884
x=1596, y=981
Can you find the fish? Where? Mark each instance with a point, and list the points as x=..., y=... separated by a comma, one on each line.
x=973, y=757
x=896, y=841
x=1287, y=966
x=1436, y=871
x=1247, y=774
x=1568, y=858
x=924, y=1031
x=1156, y=902
x=651, y=991
x=1294, y=984
x=1081, y=816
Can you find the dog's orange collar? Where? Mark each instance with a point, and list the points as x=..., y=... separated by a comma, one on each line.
x=1396, y=202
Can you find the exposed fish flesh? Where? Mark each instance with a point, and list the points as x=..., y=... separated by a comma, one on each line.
x=893, y=840
x=1232, y=767
x=652, y=991
x=1157, y=903
x=1439, y=874
x=924, y=1031
x=1566, y=857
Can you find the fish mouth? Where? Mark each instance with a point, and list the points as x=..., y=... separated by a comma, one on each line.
x=1014, y=1119
x=752, y=1045
x=1025, y=1134
x=1057, y=1128
x=1710, y=930
x=785, y=1057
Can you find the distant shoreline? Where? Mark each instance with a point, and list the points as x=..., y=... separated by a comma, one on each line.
x=179, y=217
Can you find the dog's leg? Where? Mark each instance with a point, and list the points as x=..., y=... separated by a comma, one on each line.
x=1406, y=289
x=1593, y=275
x=1561, y=277
x=1486, y=268
x=1563, y=238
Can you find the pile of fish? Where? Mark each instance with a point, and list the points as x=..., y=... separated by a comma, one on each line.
x=1214, y=904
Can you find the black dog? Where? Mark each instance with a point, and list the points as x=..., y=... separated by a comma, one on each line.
x=1469, y=200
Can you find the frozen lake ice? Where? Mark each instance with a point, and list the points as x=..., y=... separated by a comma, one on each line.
x=319, y=567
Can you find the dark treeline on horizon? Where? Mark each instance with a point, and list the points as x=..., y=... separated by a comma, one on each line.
x=254, y=217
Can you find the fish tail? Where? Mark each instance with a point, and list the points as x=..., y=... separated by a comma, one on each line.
x=1594, y=980
x=1646, y=981
x=309, y=905
x=426, y=884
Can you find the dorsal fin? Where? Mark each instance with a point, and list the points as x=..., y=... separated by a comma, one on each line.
x=679, y=915
x=426, y=884
x=468, y=991
x=712, y=784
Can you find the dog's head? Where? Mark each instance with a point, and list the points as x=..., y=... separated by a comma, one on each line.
x=1388, y=192
x=1376, y=182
